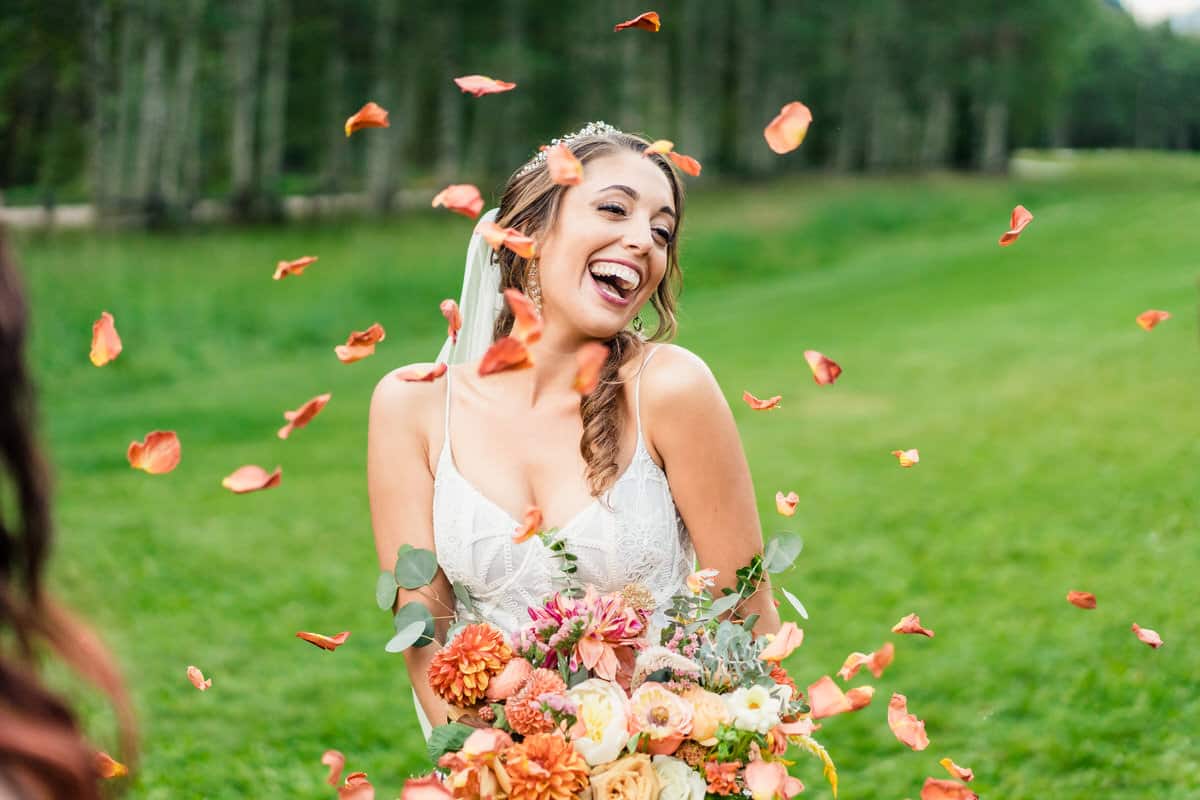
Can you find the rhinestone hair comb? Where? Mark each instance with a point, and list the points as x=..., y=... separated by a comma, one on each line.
x=597, y=128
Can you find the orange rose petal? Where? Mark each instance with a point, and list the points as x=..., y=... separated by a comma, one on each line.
x=507, y=353
x=685, y=163
x=762, y=405
x=785, y=133
x=285, y=268
x=853, y=663
x=106, y=344
x=860, y=697
x=158, y=453
x=428, y=788
x=511, y=238
x=961, y=773
x=1082, y=599
x=372, y=115
x=479, y=85
x=251, y=478
x=356, y=787
x=1147, y=636
x=702, y=579
x=941, y=789
x=824, y=370
x=908, y=729
x=530, y=525
x=197, y=678
x=303, y=415
x=648, y=21
x=785, y=641
x=881, y=659
x=336, y=763
x=591, y=358
x=786, y=504
x=461, y=198
x=911, y=624
x=108, y=767
x=324, y=642
x=659, y=146
x=527, y=325
x=1020, y=218
x=907, y=457
x=454, y=319
x=565, y=168
x=826, y=699
x=1147, y=319
x=422, y=374
x=360, y=344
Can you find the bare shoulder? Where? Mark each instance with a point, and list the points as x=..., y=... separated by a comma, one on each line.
x=405, y=407
x=678, y=377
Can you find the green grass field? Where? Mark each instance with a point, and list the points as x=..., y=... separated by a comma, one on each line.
x=1059, y=445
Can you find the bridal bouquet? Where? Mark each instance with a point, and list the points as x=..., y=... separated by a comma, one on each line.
x=594, y=698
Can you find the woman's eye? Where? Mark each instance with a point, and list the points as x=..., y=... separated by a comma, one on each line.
x=613, y=207
x=663, y=234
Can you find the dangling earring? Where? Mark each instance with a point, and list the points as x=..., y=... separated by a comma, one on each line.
x=638, y=324
x=535, y=286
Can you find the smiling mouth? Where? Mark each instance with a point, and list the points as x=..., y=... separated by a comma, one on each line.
x=615, y=280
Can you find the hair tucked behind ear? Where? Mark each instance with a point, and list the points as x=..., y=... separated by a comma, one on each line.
x=530, y=203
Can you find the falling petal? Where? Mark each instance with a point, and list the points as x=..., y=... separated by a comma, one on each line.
x=360, y=344
x=454, y=319
x=685, y=163
x=700, y=580
x=786, y=504
x=527, y=322
x=908, y=729
x=1147, y=636
x=461, y=198
x=197, y=678
x=565, y=168
x=941, y=789
x=1082, y=599
x=659, y=146
x=336, y=763
x=1020, y=218
x=907, y=457
x=285, y=268
x=911, y=624
x=961, y=773
x=826, y=699
x=785, y=133
x=106, y=344
x=158, y=453
x=591, y=358
x=530, y=525
x=511, y=238
x=428, y=788
x=371, y=115
x=762, y=405
x=356, y=787
x=860, y=697
x=252, y=478
x=479, y=85
x=647, y=21
x=303, y=415
x=421, y=374
x=324, y=642
x=783, y=644
x=824, y=370
x=1147, y=319
x=505, y=354
x=108, y=767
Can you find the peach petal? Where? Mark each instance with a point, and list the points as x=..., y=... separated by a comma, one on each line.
x=360, y=344
x=565, y=168
x=372, y=115
x=647, y=21
x=422, y=374
x=786, y=504
x=428, y=788
x=941, y=789
x=197, y=678
x=530, y=525
x=591, y=358
x=824, y=370
x=1020, y=218
x=336, y=763
x=908, y=729
x=685, y=163
x=106, y=343
x=1082, y=599
x=158, y=453
x=761, y=405
x=860, y=697
x=108, y=767
x=853, y=663
x=765, y=779
x=785, y=133
x=479, y=85
x=911, y=624
x=961, y=773
x=454, y=320
x=324, y=642
x=506, y=353
x=1147, y=319
x=881, y=659
x=461, y=198
x=508, y=682
x=826, y=699
x=907, y=457
x=659, y=146
x=1147, y=636
x=303, y=415
x=527, y=322
x=701, y=579
x=356, y=787
x=252, y=478
x=286, y=268
x=786, y=640
x=510, y=238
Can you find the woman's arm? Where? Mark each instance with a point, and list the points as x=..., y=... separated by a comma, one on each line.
x=400, y=488
x=693, y=431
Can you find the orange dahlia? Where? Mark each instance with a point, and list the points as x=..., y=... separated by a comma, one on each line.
x=780, y=676
x=461, y=670
x=523, y=710
x=545, y=767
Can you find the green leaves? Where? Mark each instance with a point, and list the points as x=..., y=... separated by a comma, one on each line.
x=385, y=591
x=405, y=637
x=415, y=567
x=414, y=628
x=782, y=551
x=796, y=604
x=447, y=738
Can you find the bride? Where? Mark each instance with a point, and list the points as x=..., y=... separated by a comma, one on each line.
x=644, y=477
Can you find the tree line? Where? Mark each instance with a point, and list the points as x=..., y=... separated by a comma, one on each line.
x=143, y=107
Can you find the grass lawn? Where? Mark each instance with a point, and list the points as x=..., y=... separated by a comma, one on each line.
x=1058, y=444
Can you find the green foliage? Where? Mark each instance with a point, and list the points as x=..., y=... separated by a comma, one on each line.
x=385, y=590
x=407, y=616
x=781, y=552
x=447, y=739
x=415, y=566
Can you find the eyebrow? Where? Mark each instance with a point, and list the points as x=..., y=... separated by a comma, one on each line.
x=629, y=190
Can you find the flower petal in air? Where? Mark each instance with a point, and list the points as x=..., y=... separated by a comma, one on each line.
x=785, y=504
x=157, y=453
x=511, y=238
x=454, y=320
x=479, y=85
x=769, y=780
x=825, y=699
x=1082, y=599
x=303, y=415
x=685, y=163
x=324, y=642
x=197, y=678
x=251, y=478
x=911, y=624
x=421, y=374
x=336, y=763
x=659, y=146
x=530, y=525
x=941, y=789
x=356, y=787
x=108, y=767
x=591, y=358
x=428, y=788
x=1147, y=636
x=907, y=457
x=648, y=21
x=785, y=133
x=700, y=580
x=908, y=729
x=372, y=115
x=565, y=168
x=824, y=370
x=461, y=198
x=505, y=354
x=360, y=344
x=961, y=773
x=285, y=268
x=860, y=697
x=1020, y=218
x=786, y=640
x=106, y=344
x=527, y=322
x=1147, y=319
x=769, y=404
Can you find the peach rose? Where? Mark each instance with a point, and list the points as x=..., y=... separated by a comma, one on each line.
x=629, y=778
x=709, y=712
x=509, y=681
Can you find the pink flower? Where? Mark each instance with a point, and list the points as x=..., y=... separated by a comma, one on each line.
x=665, y=717
x=612, y=624
x=769, y=780
x=509, y=681
x=786, y=640
x=698, y=581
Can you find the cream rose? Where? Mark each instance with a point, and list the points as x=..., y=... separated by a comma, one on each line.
x=631, y=778
x=678, y=781
x=602, y=729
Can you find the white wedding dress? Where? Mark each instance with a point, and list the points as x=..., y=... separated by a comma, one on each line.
x=638, y=539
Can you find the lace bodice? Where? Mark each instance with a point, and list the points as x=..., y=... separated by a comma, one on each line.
x=642, y=539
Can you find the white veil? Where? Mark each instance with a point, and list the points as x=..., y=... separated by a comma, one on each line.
x=480, y=302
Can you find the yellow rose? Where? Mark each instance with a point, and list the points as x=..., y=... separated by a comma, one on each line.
x=629, y=778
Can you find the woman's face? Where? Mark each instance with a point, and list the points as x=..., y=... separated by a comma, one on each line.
x=607, y=252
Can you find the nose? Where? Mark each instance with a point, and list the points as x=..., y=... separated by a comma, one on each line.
x=637, y=236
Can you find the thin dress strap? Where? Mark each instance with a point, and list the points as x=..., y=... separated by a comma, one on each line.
x=446, y=433
x=637, y=389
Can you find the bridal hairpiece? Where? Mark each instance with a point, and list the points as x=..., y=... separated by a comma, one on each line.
x=597, y=128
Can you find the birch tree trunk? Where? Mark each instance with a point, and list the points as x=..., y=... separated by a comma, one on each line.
x=152, y=120
x=102, y=90
x=274, y=106
x=243, y=59
x=334, y=160
x=381, y=184
x=449, y=96
x=935, y=129
x=181, y=123
x=127, y=93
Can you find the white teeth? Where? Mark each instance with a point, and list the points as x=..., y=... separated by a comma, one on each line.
x=626, y=276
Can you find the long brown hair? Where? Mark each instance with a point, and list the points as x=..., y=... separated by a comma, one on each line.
x=41, y=746
x=530, y=203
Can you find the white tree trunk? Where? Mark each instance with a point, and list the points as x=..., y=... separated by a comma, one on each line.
x=243, y=58
x=381, y=147
x=274, y=102
x=181, y=124
x=153, y=119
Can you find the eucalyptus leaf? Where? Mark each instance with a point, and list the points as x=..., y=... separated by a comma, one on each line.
x=448, y=738
x=415, y=567
x=463, y=595
x=782, y=551
x=796, y=604
x=409, y=613
x=406, y=637
x=385, y=590
x=726, y=603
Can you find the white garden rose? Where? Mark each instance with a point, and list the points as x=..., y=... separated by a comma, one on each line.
x=677, y=780
x=754, y=709
x=602, y=730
